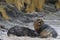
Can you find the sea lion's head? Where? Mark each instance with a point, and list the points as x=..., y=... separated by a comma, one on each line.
x=38, y=23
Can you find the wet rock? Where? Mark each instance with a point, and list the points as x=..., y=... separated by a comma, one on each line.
x=50, y=8
x=0, y=39
x=31, y=15
x=57, y=14
x=22, y=31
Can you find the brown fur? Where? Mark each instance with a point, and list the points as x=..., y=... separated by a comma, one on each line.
x=45, y=34
x=44, y=30
x=38, y=23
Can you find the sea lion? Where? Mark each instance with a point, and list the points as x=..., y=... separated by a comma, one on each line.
x=44, y=30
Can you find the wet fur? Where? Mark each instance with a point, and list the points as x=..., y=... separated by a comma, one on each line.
x=44, y=29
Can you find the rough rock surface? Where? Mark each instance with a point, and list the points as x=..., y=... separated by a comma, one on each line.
x=49, y=14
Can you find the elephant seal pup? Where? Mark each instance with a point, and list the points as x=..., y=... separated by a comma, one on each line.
x=22, y=31
x=44, y=30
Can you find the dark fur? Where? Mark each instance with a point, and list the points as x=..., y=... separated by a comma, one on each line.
x=22, y=31
x=44, y=30
x=51, y=30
